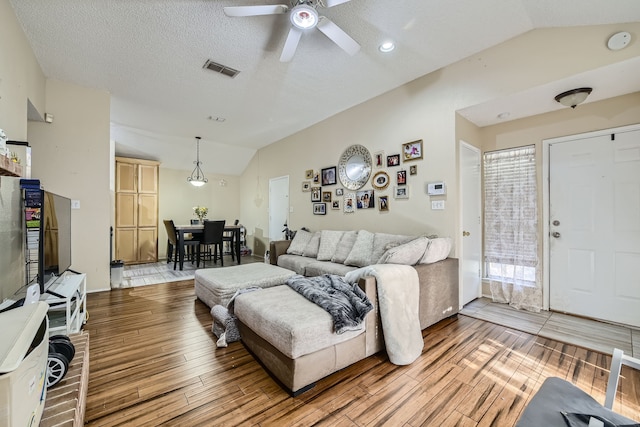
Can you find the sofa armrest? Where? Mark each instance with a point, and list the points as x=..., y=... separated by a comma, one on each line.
x=277, y=248
x=374, y=338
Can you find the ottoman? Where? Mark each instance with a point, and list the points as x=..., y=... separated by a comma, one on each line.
x=216, y=286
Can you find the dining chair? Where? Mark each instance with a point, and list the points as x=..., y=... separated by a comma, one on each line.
x=172, y=243
x=212, y=235
x=228, y=237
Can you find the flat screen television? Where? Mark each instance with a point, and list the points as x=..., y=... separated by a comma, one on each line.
x=55, y=239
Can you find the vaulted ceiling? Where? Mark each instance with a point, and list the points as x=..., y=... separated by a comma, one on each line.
x=149, y=54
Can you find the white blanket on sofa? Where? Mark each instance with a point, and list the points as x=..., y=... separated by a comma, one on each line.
x=398, y=298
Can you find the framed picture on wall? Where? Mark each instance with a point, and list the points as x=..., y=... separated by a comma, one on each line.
x=383, y=203
x=339, y=191
x=365, y=199
x=316, y=195
x=401, y=177
x=349, y=202
x=393, y=160
x=326, y=196
x=378, y=159
x=401, y=192
x=412, y=150
x=308, y=174
x=319, y=208
x=335, y=204
x=329, y=176
x=306, y=186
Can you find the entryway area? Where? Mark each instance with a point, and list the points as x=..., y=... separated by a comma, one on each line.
x=578, y=331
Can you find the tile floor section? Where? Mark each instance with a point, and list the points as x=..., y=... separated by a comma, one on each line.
x=590, y=334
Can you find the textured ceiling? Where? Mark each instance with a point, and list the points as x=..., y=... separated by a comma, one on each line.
x=149, y=55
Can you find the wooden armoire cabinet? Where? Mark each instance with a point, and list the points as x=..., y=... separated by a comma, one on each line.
x=136, y=230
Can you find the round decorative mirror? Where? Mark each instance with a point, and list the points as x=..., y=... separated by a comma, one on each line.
x=354, y=167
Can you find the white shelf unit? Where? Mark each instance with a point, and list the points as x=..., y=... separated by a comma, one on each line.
x=67, y=312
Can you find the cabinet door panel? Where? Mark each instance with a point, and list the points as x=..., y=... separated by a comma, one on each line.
x=147, y=210
x=147, y=179
x=126, y=177
x=148, y=244
x=127, y=244
x=127, y=212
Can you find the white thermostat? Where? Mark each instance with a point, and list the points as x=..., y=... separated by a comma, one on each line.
x=436, y=188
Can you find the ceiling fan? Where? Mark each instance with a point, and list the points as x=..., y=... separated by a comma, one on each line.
x=303, y=16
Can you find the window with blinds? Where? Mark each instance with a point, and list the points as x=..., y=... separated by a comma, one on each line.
x=511, y=215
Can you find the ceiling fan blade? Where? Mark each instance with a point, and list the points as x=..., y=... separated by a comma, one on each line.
x=331, y=3
x=291, y=44
x=274, y=9
x=338, y=36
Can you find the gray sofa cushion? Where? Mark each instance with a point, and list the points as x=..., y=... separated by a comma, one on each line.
x=383, y=242
x=299, y=242
x=344, y=247
x=288, y=321
x=437, y=250
x=329, y=240
x=311, y=250
x=360, y=254
x=295, y=263
x=319, y=268
x=408, y=253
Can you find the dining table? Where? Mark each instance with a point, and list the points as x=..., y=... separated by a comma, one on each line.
x=198, y=229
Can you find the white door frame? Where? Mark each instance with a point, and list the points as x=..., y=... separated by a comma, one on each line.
x=546, y=279
x=284, y=178
x=478, y=209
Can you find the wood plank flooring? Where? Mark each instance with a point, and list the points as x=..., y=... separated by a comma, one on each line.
x=153, y=361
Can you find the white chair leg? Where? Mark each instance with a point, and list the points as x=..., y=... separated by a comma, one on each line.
x=614, y=375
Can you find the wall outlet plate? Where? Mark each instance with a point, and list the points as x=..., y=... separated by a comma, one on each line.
x=437, y=205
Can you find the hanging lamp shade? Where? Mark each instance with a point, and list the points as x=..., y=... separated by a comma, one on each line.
x=197, y=178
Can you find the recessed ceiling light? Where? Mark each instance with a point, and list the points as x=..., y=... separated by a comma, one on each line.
x=387, y=47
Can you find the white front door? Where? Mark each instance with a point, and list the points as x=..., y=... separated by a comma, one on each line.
x=470, y=208
x=278, y=206
x=594, y=215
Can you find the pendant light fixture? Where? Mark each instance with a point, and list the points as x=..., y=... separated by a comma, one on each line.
x=197, y=178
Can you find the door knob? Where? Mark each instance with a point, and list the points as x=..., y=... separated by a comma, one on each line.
x=555, y=234
x=466, y=233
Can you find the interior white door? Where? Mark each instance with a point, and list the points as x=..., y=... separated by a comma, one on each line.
x=594, y=214
x=278, y=206
x=470, y=209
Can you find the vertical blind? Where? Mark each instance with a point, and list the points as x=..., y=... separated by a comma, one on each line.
x=511, y=215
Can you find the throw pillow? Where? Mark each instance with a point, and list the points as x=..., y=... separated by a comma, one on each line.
x=344, y=247
x=329, y=240
x=437, y=250
x=384, y=241
x=311, y=250
x=299, y=242
x=360, y=255
x=409, y=253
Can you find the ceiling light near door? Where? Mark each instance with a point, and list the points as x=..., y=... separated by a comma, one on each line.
x=573, y=97
x=197, y=178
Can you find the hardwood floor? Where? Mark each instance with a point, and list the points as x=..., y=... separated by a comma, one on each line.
x=153, y=361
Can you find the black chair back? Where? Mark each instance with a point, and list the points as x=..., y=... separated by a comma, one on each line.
x=213, y=232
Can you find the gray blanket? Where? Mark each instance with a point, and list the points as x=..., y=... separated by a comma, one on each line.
x=346, y=303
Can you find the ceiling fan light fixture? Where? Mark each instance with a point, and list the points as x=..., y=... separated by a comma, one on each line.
x=197, y=178
x=304, y=17
x=573, y=97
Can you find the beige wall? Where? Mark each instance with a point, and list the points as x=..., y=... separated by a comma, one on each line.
x=178, y=197
x=21, y=79
x=71, y=157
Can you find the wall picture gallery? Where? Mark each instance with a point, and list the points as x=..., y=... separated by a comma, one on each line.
x=388, y=178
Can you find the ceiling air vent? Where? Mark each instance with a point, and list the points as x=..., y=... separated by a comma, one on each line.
x=219, y=68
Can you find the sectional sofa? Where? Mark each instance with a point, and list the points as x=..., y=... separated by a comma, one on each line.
x=293, y=338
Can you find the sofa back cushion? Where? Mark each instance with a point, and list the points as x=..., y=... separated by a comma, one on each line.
x=329, y=240
x=299, y=242
x=437, y=250
x=360, y=254
x=344, y=247
x=311, y=250
x=383, y=242
x=409, y=253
